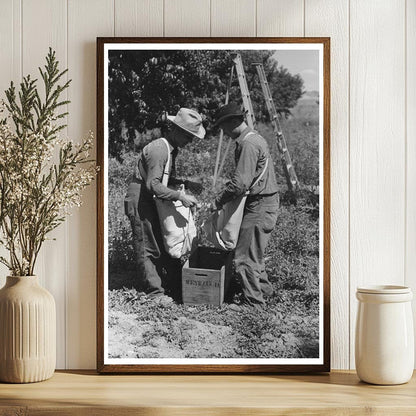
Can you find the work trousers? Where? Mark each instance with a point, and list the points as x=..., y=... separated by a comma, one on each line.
x=157, y=272
x=259, y=220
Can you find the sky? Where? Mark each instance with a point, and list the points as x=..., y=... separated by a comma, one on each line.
x=302, y=62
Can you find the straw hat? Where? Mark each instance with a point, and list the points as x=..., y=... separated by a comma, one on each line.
x=190, y=121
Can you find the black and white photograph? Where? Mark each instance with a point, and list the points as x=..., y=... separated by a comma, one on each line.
x=212, y=247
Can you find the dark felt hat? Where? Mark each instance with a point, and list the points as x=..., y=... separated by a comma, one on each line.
x=228, y=111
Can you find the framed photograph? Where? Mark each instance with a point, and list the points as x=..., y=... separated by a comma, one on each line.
x=213, y=221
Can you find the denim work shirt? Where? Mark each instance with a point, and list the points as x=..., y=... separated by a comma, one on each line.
x=152, y=165
x=251, y=153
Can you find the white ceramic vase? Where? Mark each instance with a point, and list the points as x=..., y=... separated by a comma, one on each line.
x=384, y=343
x=27, y=331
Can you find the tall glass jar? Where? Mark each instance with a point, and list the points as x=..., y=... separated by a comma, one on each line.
x=384, y=343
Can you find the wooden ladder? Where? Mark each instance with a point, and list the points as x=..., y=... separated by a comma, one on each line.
x=291, y=177
x=289, y=170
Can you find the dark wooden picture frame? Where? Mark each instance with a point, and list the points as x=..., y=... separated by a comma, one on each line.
x=323, y=363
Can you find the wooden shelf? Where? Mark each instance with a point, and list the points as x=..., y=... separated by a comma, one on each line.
x=86, y=393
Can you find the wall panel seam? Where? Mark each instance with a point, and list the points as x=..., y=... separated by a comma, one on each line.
x=21, y=40
x=349, y=183
x=405, y=145
x=66, y=222
x=304, y=18
x=210, y=18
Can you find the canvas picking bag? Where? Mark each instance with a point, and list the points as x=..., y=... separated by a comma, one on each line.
x=223, y=226
x=176, y=221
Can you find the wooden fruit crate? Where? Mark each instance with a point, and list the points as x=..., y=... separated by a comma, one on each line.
x=204, y=279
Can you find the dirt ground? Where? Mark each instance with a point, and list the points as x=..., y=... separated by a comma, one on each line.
x=142, y=327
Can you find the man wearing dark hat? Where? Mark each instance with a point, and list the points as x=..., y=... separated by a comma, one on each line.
x=261, y=209
x=153, y=262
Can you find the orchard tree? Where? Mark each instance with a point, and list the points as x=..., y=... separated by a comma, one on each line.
x=144, y=84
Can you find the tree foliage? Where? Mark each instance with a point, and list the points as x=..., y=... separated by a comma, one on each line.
x=144, y=84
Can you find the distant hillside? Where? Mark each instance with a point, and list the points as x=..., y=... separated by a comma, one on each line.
x=311, y=94
x=307, y=106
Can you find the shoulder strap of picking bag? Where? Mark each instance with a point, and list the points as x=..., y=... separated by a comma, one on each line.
x=222, y=227
x=165, y=177
x=176, y=220
x=262, y=173
x=259, y=178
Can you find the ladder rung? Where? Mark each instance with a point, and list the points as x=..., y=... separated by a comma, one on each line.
x=270, y=107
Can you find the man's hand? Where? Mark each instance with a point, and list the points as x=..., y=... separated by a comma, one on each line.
x=194, y=187
x=188, y=200
x=214, y=207
x=211, y=207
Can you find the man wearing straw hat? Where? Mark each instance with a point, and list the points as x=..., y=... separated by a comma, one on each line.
x=262, y=204
x=157, y=272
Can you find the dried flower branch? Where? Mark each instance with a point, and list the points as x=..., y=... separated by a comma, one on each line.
x=37, y=187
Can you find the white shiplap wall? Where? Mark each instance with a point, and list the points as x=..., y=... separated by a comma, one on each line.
x=373, y=132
